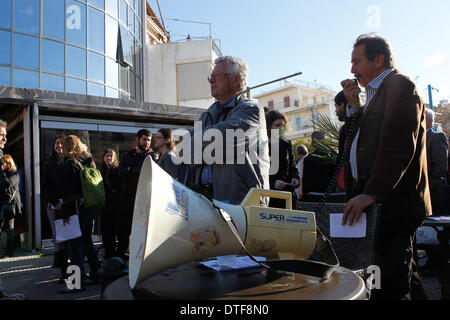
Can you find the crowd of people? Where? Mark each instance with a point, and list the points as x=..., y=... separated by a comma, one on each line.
x=382, y=149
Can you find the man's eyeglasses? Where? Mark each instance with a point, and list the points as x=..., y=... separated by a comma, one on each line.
x=213, y=76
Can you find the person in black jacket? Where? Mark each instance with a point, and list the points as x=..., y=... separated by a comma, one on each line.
x=340, y=104
x=164, y=144
x=287, y=177
x=11, y=207
x=317, y=170
x=74, y=155
x=52, y=186
x=130, y=168
x=109, y=215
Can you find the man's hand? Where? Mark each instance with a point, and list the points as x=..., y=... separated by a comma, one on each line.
x=351, y=91
x=279, y=185
x=66, y=221
x=355, y=206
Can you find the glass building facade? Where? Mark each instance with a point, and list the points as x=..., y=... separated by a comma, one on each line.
x=89, y=47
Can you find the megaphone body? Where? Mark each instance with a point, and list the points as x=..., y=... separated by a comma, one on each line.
x=173, y=224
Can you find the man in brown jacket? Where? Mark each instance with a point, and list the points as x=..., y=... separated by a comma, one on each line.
x=388, y=163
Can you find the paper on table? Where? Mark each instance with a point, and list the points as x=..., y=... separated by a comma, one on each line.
x=69, y=231
x=232, y=263
x=356, y=230
x=441, y=218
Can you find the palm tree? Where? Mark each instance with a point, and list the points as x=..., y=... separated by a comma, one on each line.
x=330, y=146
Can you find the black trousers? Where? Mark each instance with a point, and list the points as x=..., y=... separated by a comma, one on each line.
x=124, y=227
x=394, y=255
x=109, y=228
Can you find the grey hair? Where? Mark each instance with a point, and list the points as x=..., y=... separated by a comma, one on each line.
x=237, y=67
x=3, y=124
x=430, y=116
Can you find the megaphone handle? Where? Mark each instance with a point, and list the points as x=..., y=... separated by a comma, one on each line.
x=255, y=195
x=312, y=268
x=235, y=232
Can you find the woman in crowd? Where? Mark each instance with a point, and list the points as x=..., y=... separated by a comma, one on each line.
x=10, y=197
x=286, y=178
x=109, y=215
x=74, y=155
x=164, y=144
x=52, y=186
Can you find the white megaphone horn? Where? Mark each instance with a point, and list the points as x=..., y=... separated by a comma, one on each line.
x=173, y=225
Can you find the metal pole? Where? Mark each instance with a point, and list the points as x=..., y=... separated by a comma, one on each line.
x=430, y=96
x=270, y=82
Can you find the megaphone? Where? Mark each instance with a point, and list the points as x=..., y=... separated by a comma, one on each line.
x=173, y=224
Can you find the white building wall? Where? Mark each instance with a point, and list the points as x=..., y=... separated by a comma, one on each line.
x=193, y=60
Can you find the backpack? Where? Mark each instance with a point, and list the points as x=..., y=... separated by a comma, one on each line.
x=92, y=187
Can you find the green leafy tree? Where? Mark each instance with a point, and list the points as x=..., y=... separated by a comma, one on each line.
x=330, y=145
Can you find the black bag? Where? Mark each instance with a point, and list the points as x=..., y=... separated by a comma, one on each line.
x=9, y=210
x=20, y=224
x=441, y=201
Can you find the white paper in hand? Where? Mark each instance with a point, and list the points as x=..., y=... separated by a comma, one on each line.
x=356, y=230
x=69, y=231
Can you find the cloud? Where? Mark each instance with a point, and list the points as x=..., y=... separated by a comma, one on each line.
x=435, y=60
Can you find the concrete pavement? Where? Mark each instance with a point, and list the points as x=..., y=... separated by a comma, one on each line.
x=30, y=273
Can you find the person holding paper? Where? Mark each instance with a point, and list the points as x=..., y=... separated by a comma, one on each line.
x=52, y=186
x=387, y=161
x=75, y=153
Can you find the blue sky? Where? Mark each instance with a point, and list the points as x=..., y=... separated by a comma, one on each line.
x=279, y=38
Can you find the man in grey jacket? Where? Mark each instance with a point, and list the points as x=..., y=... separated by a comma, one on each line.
x=229, y=144
x=437, y=152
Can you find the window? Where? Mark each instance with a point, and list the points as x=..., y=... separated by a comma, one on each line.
x=95, y=89
x=270, y=105
x=131, y=20
x=132, y=84
x=26, y=16
x=75, y=86
x=287, y=102
x=298, y=123
x=111, y=37
x=112, y=73
x=5, y=48
x=296, y=103
x=52, y=82
x=53, y=19
x=123, y=47
x=5, y=76
x=123, y=78
x=76, y=61
x=26, y=51
x=112, y=93
x=5, y=14
x=96, y=67
x=112, y=7
x=25, y=79
x=98, y=3
x=138, y=30
x=76, y=23
x=52, y=56
x=123, y=12
x=96, y=30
